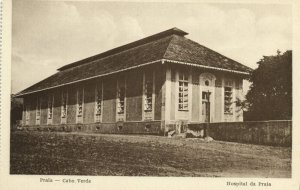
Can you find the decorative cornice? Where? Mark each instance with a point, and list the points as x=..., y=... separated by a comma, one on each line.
x=204, y=66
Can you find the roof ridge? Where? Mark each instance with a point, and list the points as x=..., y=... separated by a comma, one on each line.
x=146, y=40
x=168, y=46
x=123, y=52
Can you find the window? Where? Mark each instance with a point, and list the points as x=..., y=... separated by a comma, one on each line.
x=38, y=110
x=27, y=116
x=206, y=83
x=79, y=102
x=228, y=97
x=183, y=92
x=228, y=83
x=240, y=85
x=64, y=104
x=99, y=98
x=148, y=90
x=121, y=96
x=50, y=107
x=218, y=83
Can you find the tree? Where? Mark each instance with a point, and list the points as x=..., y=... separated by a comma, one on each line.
x=16, y=110
x=270, y=95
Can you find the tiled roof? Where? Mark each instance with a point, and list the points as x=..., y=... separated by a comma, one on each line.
x=168, y=45
x=185, y=50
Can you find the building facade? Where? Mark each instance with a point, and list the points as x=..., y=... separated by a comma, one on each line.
x=148, y=86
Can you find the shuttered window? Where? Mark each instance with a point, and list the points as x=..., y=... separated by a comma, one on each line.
x=80, y=102
x=228, y=97
x=50, y=107
x=148, y=90
x=27, y=116
x=121, y=95
x=64, y=98
x=99, y=101
x=38, y=110
x=183, y=91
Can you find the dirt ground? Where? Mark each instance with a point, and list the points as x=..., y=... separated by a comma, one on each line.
x=137, y=155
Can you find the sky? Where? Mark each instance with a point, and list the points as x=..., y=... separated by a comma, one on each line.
x=49, y=34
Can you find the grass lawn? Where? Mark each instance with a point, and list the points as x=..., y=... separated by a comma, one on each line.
x=137, y=155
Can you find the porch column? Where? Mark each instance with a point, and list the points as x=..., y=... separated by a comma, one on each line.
x=168, y=95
